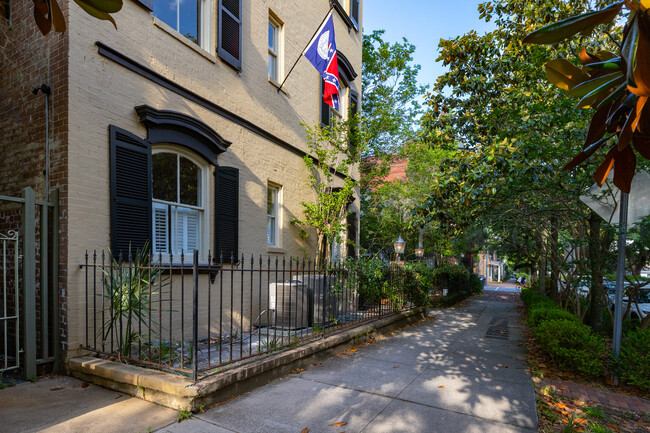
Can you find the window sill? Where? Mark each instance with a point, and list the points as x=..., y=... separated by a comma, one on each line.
x=275, y=250
x=170, y=31
x=277, y=85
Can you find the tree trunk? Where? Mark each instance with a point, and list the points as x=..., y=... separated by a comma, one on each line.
x=542, y=261
x=555, y=259
x=595, y=263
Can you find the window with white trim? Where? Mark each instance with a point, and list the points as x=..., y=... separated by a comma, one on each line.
x=179, y=201
x=192, y=19
x=275, y=48
x=273, y=221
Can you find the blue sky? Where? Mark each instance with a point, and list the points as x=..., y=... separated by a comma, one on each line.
x=423, y=23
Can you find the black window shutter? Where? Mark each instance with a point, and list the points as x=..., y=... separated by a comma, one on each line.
x=354, y=109
x=325, y=114
x=352, y=234
x=147, y=4
x=230, y=32
x=131, y=191
x=354, y=12
x=226, y=233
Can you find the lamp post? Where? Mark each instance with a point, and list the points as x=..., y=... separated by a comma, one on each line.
x=419, y=252
x=399, y=245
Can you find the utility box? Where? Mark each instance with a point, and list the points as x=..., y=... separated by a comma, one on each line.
x=291, y=302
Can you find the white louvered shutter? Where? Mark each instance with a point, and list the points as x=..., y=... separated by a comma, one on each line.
x=161, y=228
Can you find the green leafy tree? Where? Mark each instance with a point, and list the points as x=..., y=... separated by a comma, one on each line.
x=516, y=131
x=391, y=105
x=330, y=163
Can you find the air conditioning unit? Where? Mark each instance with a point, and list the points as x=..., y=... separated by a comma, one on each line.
x=291, y=302
x=324, y=303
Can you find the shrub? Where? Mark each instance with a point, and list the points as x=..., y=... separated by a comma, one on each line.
x=632, y=364
x=571, y=345
x=369, y=275
x=544, y=312
x=476, y=284
x=454, y=278
x=532, y=298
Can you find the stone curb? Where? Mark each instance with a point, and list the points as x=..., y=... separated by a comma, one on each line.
x=179, y=392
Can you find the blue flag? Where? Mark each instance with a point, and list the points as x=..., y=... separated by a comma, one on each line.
x=321, y=52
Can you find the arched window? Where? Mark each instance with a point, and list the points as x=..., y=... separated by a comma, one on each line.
x=179, y=200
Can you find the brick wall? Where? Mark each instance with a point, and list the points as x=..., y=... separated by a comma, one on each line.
x=28, y=59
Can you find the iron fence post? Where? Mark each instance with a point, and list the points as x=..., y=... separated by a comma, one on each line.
x=195, y=317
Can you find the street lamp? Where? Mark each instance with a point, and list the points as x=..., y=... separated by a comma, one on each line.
x=399, y=245
x=419, y=252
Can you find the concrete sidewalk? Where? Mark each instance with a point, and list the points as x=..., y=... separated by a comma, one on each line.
x=463, y=372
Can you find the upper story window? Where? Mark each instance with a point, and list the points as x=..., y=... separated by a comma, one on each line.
x=179, y=212
x=275, y=45
x=191, y=19
x=273, y=216
x=349, y=11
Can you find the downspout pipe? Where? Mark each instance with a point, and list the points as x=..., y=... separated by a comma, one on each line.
x=46, y=91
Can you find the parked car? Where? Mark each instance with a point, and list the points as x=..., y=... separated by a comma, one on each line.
x=638, y=310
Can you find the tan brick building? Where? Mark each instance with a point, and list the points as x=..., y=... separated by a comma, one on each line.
x=170, y=129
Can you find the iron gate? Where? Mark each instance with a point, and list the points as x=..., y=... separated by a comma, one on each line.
x=29, y=288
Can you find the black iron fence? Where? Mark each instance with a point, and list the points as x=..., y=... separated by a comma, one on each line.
x=172, y=312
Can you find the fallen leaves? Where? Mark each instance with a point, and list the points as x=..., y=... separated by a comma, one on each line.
x=339, y=424
x=297, y=370
x=56, y=388
x=441, y=386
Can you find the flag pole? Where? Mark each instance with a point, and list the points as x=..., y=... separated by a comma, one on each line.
x=303, y=51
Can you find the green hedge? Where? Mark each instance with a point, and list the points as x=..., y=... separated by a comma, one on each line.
x=543, y=312
x=633, y=366
x=571, y=345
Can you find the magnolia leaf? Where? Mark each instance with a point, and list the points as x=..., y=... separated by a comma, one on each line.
x=613, y=96
x=640, y=103
x=642, y=145
x=586, y=57
x=58, y=21
x=629, y=48
x=626, y=132
x=603, y=170
x=588, y=86
x=603, y=82
x=108, y=6
x=598, y=94
x=641, y=64
x=606, y=55
x=95, y=12
x=564, y=74
x=561, y=30
x=597, y=126
x=41, y=17
x=607, y=65
x=585, y=154
x=624, y=166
